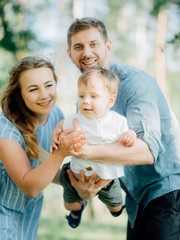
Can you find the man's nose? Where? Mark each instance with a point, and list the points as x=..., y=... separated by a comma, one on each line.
x=86, y=51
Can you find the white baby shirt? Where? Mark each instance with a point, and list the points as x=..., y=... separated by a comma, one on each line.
x=99, y=131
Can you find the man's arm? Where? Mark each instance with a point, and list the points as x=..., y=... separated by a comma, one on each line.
x=115, y=153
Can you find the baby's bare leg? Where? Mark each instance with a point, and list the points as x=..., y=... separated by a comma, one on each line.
x=116, y=211
x=76, y=209
x=73, y=206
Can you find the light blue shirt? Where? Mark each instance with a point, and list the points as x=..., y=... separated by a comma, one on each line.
x=20, y=214
x=147, y=111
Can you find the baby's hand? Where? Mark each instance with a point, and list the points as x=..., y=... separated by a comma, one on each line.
x=55, y=139
x=55, y=136
x=128, y=138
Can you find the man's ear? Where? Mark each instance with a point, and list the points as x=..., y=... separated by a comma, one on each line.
x=69, y=53
x=108, y=45
x=112, y=100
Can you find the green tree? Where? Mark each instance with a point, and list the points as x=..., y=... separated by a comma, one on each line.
x=165, y=4
x=14, y=35
x=172, y=79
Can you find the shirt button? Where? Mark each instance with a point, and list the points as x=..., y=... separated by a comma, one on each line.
x=125, y=182
x=135, y=199
x=144, y=121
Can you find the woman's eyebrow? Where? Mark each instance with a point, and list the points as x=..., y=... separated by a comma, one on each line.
x=34, y=85
x=30, y=86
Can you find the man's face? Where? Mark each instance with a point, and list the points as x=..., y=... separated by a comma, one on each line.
x=88, y=49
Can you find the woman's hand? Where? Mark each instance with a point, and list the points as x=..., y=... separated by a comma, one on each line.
x=71, y=139
x=87, y=189
x=72, y=142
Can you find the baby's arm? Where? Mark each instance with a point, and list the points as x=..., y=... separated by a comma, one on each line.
x=128, y=138
x=55, y=136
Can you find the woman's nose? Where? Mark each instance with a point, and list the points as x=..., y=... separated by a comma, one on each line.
x=43, y=93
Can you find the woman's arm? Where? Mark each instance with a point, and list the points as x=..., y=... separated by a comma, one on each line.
x=31, y=181
x=56, y=178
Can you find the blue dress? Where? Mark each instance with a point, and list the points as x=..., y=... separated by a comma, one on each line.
x=20, y=214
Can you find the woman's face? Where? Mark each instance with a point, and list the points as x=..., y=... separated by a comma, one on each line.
x=38, y=89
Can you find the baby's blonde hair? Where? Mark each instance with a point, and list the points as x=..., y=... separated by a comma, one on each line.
x=109, y=78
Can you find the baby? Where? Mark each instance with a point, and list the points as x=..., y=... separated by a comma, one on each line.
x=97, y=91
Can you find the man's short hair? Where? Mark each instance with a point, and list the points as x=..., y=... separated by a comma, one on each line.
x=81, y=24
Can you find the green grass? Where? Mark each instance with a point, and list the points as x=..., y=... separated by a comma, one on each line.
x=57, y=228
x=102, y=226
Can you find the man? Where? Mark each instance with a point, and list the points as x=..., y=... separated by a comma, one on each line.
x=152, y=166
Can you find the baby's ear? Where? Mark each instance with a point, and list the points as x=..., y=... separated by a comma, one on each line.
x=112, y=100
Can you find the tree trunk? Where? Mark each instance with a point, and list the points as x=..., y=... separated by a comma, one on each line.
x=160, y=62
x=78, y=9
x=141, y=42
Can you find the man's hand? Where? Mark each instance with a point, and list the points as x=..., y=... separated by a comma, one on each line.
x=87, y=189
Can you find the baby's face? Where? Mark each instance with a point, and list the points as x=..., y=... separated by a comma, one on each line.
x=93, y=99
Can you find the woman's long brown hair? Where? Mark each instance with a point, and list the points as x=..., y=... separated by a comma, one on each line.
x=13, y=105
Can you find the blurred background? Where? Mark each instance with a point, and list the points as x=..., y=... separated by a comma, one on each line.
x=145, y=34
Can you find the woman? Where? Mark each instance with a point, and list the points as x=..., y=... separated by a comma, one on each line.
x=27, y=120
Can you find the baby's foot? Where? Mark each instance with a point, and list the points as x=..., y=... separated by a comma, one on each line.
x=74, y=217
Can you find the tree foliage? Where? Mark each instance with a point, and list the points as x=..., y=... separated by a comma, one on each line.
x=132, y=26
x=165, y=4
x=14, y=34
